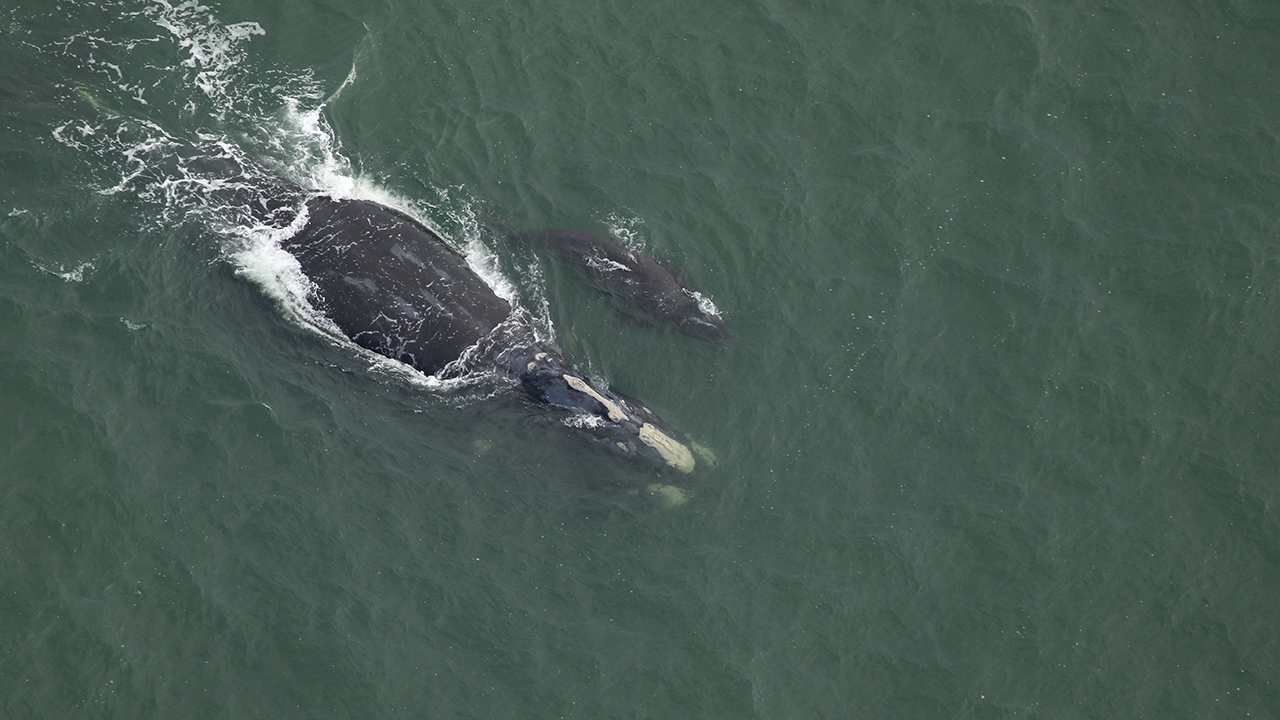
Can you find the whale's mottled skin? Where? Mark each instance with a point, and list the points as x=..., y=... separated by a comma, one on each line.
x=648, y=289
x=394, y=287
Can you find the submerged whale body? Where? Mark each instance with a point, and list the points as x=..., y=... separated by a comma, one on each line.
x=394, y=287
x=648, y=289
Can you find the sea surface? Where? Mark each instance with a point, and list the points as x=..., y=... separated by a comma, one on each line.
x=1000, y=436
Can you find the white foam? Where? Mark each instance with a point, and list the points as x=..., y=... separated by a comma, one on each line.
x=213, y=49
x=584, y=421
x=605, y=264
x=626, y=228
x=704, y=303
x=260, y=260
x=75, y=274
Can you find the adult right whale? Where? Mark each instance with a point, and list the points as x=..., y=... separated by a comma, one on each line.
x=648, y=289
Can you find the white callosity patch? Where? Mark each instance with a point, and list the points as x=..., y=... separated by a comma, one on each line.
x=673, y=452
x=616, y=413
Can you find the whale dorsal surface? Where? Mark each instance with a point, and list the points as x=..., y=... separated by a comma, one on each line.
x=392, y=285
x=648, y=289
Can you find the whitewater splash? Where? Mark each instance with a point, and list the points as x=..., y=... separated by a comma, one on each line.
x=213, y=50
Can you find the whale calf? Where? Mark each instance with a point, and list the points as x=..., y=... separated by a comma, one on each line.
x=395, y=287
x=647, y=288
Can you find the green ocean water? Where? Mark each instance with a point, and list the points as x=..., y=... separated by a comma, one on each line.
x=1000, y=437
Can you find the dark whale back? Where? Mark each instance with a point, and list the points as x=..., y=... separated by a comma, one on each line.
x=649, y=290
x=392, y=285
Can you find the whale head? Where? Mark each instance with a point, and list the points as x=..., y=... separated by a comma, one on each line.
x=621, y=423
